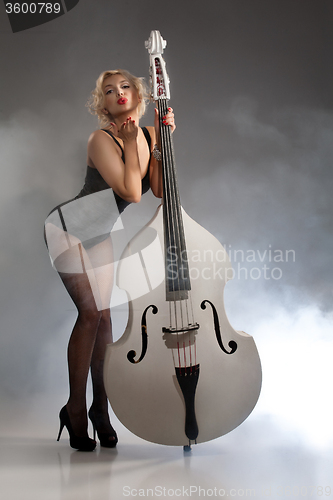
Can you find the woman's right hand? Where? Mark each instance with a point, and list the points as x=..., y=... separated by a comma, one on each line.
x=128, y=131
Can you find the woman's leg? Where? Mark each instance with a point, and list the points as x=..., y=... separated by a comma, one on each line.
x=88, y=278
x=99, y=407
x=104, y=278
x=80, y=347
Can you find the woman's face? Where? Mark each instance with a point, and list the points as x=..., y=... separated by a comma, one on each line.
x=120, y=95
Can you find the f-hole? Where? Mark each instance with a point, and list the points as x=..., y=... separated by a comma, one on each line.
x=131, y=354
x=232, y=344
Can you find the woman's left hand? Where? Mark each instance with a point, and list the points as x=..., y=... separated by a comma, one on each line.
x=168, y=120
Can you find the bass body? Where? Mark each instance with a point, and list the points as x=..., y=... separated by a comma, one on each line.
x=176, y=381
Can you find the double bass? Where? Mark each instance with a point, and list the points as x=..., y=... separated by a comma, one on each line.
x=179, y=374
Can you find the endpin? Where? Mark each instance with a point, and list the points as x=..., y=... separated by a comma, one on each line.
x=187, y=447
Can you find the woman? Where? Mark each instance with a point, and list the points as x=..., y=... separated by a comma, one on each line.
x=122, y=165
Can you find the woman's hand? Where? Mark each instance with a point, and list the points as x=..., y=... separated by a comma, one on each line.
x=168, y=120
x=128, y=131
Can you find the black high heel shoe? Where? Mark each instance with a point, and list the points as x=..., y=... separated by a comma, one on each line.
x=106, y=439
x=76, y=442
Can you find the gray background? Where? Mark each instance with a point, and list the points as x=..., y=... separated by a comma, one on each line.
x=251, y=84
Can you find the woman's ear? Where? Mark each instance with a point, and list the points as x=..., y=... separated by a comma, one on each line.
x=105, y=111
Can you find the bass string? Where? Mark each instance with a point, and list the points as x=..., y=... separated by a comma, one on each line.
x=174, y=204
x=168, y=219
x=183, y=255
x=172, y=219
x=180, y=232
x=170, y=222
x=181, y=243
x=182, y=274
x=175, y=227
x=166, y=211
x=166, y=190
x=180, y=229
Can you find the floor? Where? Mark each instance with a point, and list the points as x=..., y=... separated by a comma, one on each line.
x=264, y=458
x=284, y=449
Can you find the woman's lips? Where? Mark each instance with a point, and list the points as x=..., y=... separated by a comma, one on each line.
x=122, y=100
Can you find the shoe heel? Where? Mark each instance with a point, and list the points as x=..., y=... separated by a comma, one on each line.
x=77, y=442
x=62, y=425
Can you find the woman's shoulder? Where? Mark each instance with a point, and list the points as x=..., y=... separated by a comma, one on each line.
x=101, y=146
x=98, y=134
x=100, y=138
x=151, y=131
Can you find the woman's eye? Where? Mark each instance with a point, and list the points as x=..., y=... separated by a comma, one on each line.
x=125, y=86
x=109, y=91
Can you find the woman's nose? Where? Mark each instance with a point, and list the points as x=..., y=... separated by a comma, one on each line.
x=120, y=92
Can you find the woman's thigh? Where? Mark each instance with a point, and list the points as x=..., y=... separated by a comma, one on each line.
x=86, y=274
x=101, y=259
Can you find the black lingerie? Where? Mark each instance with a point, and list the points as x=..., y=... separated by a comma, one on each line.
x=91, y=215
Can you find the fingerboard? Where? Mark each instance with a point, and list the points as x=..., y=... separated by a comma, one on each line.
x=177, y=276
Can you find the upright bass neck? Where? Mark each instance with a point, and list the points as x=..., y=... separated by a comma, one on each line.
x=177, y=277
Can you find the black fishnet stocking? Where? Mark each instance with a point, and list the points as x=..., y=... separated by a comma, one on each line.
x=90, y=291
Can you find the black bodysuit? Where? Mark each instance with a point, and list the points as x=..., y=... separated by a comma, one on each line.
x=91, y=215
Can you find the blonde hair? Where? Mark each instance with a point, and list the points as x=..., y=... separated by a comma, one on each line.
x=96, y=101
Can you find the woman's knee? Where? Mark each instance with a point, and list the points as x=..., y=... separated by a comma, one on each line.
x=90, y=317
x=105, y=316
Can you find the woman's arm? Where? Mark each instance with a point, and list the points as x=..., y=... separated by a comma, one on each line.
x=102, y=151
x=156, y=178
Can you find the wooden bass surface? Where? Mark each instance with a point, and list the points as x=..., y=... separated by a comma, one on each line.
x=145, y=395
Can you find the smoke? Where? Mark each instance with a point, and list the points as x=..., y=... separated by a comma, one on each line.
x=268, y=201
x=268, y=198
x=36, y=173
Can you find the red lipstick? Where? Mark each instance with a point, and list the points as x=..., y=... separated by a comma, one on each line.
x=122, y=100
